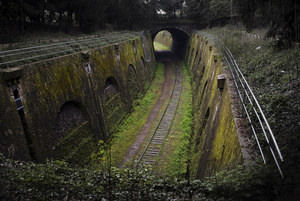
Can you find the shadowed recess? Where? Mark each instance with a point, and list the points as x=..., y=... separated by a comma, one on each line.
x=180, y=40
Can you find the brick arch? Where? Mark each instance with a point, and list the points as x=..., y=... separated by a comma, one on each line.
x=180, y=38
x=111, y=87
x=133, y=85
x=172, y=29
x=114, y=104
x=73, y=138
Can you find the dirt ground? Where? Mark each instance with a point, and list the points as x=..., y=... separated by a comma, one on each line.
x=167, y=58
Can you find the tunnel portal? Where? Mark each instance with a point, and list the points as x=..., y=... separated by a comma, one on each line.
x=180, y=39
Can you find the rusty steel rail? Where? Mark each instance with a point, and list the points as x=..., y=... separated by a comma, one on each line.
x=151, y=153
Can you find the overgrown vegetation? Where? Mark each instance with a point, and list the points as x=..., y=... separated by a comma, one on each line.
x=82, y=136
x=273, y=74
x=70, y=16
x=180, y=158
x=159, y=46
x=163, y=38
x=173, y=162
x=19, y=16
x=55, y=180
x=128, y=131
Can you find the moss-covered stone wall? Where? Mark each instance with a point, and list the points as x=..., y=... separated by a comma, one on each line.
x=12, y=140
x=78, y=79
x=214, y=142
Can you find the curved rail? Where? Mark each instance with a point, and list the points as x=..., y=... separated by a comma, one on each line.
x=152, y=151
x=255, y=115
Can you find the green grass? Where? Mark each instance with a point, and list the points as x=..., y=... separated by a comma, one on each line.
x=159, y=46
x=130, y=128
x=173, y=161
x=273, y=73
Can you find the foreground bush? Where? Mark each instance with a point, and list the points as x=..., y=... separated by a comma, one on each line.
x=56, y=180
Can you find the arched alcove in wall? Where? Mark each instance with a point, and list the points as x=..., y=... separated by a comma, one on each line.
x=111, y=88
x=133, y=86
x=113, y=105
x=72, y=139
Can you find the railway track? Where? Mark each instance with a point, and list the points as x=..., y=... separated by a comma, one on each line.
x=158, y=135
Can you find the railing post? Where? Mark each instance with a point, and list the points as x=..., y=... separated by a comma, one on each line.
x=256, y=111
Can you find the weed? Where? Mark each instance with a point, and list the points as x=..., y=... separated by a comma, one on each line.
x=159, y=46
x=128, y=131
x=273, y=74
x=173, y=162
x=180, y=157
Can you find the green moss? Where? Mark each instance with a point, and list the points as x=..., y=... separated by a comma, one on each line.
x=225, y=151
x=173, y=162
x=133, y=123
x=114, y=112
x=46, y=86
x=214, y=144
x=57, y=79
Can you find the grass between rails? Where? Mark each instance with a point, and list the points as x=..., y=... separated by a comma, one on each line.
x=159, y=46
x=155, y=123
x=129, y=130
x=55, y=180
x=173, y=161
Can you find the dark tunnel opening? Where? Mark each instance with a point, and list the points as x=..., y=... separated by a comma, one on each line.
x=180, y=40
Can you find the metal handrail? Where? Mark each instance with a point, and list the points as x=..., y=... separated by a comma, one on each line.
x=47, y=50
x=65, y=42
x=246, y=95
x=45, y=47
